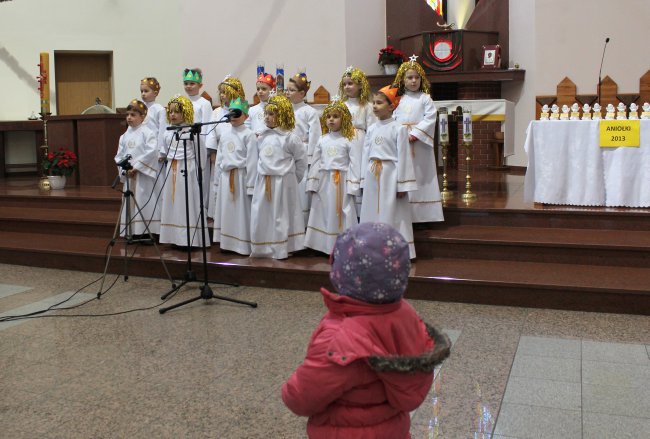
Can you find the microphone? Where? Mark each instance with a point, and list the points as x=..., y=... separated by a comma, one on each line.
x=235, y=112
x=601, y=67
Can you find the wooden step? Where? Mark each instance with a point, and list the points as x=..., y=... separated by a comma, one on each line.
x=536, y=244
x=513, y=283
x=549, y=217
x=70, y=222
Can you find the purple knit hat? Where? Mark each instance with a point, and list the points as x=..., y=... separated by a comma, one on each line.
x=370, y=262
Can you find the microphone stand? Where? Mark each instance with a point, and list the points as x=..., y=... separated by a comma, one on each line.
x=206, y=292
x=601, y=67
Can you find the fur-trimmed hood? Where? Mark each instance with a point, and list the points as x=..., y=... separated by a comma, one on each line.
x=425, y=362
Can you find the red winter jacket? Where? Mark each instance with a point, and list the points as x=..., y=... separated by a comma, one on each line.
x=367, y=367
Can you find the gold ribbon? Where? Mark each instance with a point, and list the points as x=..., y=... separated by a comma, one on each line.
x=376, y=168
x=174, y=169
x=336, y=179
x=267, y=186
x=233, y=175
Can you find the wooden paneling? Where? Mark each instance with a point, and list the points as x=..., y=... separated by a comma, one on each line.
x=493, y=15
x=408, y=17
x=81, y=77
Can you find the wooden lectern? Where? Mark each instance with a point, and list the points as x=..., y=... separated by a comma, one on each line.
x=94, y=138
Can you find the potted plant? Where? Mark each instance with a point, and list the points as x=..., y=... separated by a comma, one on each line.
x=390, y=58
x=58, y=165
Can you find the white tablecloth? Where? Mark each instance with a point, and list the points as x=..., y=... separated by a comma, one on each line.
x=567, y=166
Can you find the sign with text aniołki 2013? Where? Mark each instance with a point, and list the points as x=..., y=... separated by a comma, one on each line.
x=615, y=133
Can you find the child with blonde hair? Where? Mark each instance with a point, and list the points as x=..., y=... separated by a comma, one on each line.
x=277, y=224
x=333, y=179
x=418, y=113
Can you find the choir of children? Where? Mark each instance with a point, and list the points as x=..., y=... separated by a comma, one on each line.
x=282, y=178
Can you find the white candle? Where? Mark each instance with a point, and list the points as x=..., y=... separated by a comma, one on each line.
x=443, y=124
x=467, y=126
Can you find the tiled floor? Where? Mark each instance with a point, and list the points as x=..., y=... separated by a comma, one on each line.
x=214, y=369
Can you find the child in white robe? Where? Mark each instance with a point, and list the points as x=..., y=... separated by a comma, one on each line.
x=237, y=164
x=355, y=91
x=156, y=120
x=140, y=143
x=229, y=89
x=387, y=166
x=265, y=85
x=418, y=113
x=333, y=179
x=307, y=128
x=192, y=83
x=181, y=154
x=277, y=224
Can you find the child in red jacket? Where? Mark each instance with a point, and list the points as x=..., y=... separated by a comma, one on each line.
x=370, y=361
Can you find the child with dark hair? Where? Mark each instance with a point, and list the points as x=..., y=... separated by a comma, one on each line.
x=371, y=359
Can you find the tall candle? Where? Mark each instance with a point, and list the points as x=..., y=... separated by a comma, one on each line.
x=443, y=125
x=279, y=77
x=467, y=126
x=44, y=83
x=260, y=67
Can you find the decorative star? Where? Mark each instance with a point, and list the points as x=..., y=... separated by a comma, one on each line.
x=226, y=78
x=272, y=93
x=413, y=58
x=349, y=69
x=336, y=98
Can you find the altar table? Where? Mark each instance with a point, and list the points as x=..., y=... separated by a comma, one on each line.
x=566, y=165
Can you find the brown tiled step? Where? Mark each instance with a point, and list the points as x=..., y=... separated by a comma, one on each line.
x=512, y=283
x=549, y=217
x=71, y=222
x=87, y=198
x=629, y=248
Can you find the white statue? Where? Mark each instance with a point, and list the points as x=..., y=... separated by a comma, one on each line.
x=645, y=114
x=575, y=111
x=610, y=112
x=544, y=114
x=586, y=115
x=634, y=111
x=565, y=112
x=555, y=112
x=621, y=111
x=597, y=111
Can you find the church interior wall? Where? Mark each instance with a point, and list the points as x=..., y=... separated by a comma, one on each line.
x=550, y=39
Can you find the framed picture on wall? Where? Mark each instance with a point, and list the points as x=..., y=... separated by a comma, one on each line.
x=491, y=58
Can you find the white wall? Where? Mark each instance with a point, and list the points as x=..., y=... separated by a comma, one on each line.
x=31, y=26
x=550, y=39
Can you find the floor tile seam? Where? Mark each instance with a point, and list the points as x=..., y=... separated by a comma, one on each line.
x=616, y=363
x=563, y=410
x=498, y=414
x=544, y=379
x=612, y=414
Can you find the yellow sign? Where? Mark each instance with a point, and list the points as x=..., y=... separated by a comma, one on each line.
x=615, y=133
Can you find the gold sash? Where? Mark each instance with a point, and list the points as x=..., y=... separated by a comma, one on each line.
x=267, y=186
x=336, y=179
x=233, y=175
x=174, y=169
x=376, y=168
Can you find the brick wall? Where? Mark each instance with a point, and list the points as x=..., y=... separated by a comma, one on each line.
x=483, y=153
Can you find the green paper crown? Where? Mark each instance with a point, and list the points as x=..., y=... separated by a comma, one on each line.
x=191, y=75
x=239, y=103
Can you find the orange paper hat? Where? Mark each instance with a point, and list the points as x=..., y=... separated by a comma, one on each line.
x=391, y=93
x=267, y=79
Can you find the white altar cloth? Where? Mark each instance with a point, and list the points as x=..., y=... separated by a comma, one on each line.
x=567, y=166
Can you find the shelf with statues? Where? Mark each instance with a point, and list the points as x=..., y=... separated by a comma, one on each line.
x=492, y=75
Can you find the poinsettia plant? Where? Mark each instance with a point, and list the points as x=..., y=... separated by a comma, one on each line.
x=390, y=55
x=60, y=162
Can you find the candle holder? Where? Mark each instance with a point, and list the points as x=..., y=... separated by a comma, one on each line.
x=468, y=196
x=445, y=194
x=43, y=182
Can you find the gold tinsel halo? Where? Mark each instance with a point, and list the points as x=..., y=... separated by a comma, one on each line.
x=151, y=82
x=347, y=129
x=186, y=108
x=138, y=105
x=233, y=89
x=359, y=78
x=425, y=87
x=281, y=105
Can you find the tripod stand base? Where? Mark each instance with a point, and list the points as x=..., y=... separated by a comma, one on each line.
x=206, y=294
